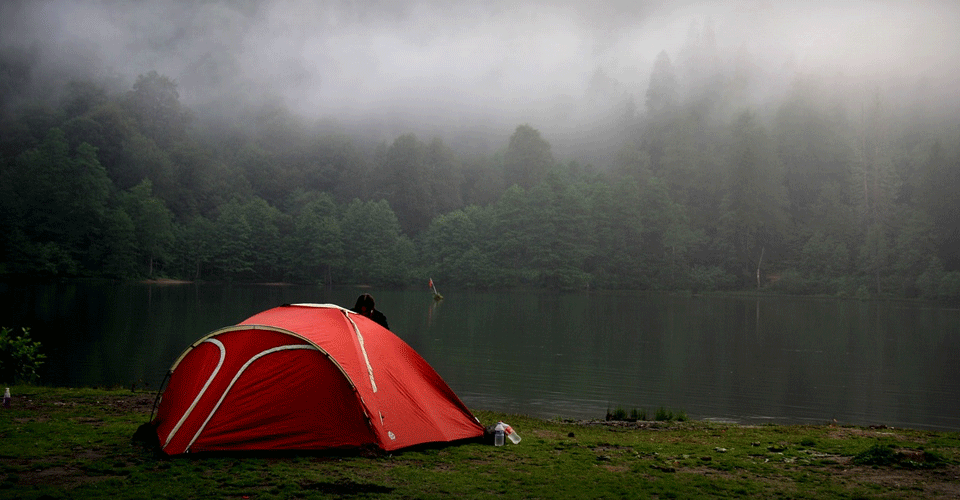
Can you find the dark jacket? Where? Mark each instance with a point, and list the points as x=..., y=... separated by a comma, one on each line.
x=377, y=316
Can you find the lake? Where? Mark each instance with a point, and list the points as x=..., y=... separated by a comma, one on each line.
x=570, y=355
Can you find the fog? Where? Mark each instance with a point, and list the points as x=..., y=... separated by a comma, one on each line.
x=462, y=68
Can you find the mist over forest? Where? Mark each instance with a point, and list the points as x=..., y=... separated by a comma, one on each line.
x=471, y=71
x=666, y=145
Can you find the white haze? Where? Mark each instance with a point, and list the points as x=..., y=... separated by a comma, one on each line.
x=434, y=66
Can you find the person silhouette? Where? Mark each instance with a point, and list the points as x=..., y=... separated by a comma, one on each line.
x=366, y=306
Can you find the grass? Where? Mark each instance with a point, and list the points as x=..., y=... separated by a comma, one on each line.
x=76, y=443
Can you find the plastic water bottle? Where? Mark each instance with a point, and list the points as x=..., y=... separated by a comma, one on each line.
x=6, y=398
x=498, y=432
x=511, y=434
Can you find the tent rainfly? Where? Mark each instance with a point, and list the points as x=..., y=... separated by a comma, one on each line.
x=306, y=377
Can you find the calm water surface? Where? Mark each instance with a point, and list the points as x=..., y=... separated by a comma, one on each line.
x=782, y=360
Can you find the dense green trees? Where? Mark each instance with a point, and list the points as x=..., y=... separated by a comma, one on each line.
x=702, y=194
x=54, y=204
x=752, y=215
x=527, y=158
x=317, y=240
x=152, y=223
x=375, y=251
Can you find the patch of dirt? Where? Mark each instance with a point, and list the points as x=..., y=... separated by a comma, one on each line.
x=616, y=468
x=344, y=487
x=707, y=471
x=27, y=420
x=942, y=482
x=846, y=432
x=140, y=402
x=613, y=449
x=61, y=477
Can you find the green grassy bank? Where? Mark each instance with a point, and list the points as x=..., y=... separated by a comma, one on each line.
x=76, y=443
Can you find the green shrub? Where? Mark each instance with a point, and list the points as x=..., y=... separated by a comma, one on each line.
x=20, y=357
x=640, y=415
x=877, y=454
x=618, y=414
x=664, y=415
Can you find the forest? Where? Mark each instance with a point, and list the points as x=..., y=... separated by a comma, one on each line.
x=696, y=188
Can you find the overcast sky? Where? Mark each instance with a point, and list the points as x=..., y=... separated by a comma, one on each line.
x=469, y=58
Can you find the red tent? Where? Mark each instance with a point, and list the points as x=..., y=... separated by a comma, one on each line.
x=306, y=377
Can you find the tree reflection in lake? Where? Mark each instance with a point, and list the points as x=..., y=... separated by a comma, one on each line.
x=748, y=359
